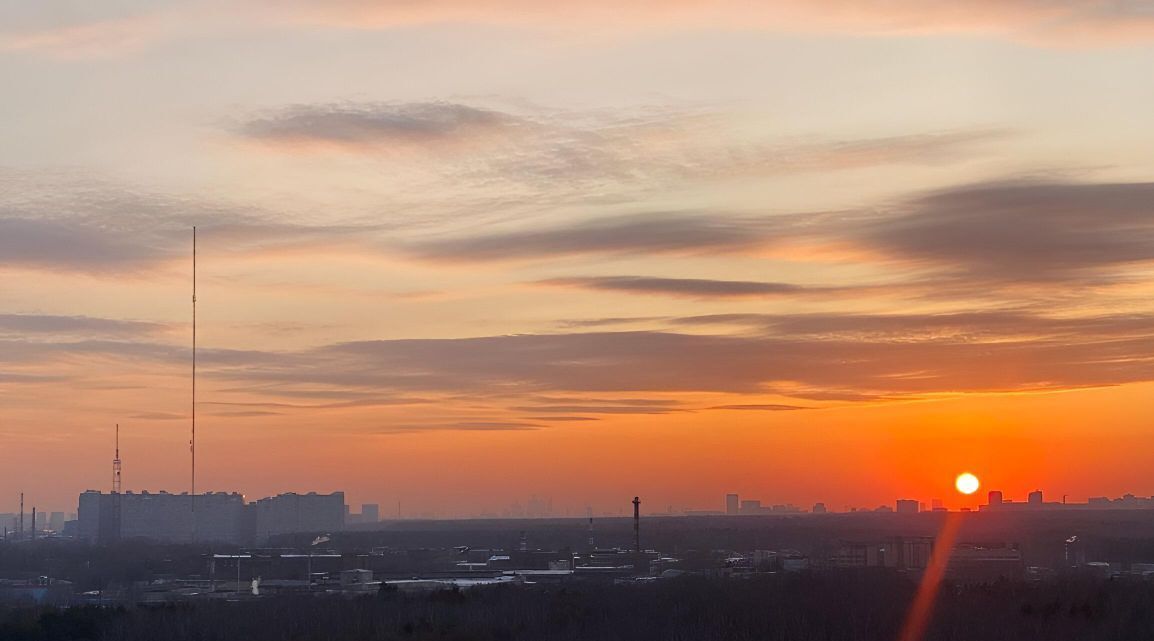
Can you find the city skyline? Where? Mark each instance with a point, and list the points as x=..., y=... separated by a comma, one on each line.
x=450, y=257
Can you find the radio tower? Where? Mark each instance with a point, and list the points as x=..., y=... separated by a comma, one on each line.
x=192, y=442
x=116, y=464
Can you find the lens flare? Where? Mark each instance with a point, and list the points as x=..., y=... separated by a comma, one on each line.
x=967, y=483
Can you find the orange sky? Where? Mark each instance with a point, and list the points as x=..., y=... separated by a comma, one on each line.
x=459, y=255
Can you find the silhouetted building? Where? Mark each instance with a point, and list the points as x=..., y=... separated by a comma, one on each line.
x=819, y=508
x=982, y=564
x=216, y=517
x=902, y=553
x=1035, y=498
x=906, y=506
x=292, y=512
x=732, y=504
x=370, y=513
x=995, y=497
x=176, y=518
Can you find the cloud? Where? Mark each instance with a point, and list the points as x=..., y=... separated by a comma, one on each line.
x=461, y=426
x=103, y=229
x=822, y=357
x=1023, y=231
x=379, y=125
x=571, y=150
x=79, y=31
x=688, y=287
x=54, y=244
x=969, y=326
x=159, y=416
x=247, y=414
x=1045, y=21
x=967, y=242
x=654, y=233
x=38, y=324
x=599, y=409
x=16, y=377
x=586, y=323
x=761, y=407
x=846, y=365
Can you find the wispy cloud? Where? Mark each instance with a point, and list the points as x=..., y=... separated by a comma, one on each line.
x=460, y=426
x=761, y=407
x=1023, y=231
x=1078, y=21
x=39, y=324
x=104, y=229
x=831, y=357
x=830, y=366
x=687, y=287
x=655, y=233
x=79, y=31
x=548, y=148
x=379, y=126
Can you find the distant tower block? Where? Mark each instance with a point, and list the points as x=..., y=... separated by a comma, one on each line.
x=591, y=546
x=995, y=497
x=637, y=524
x=732, y=504
x=116, y=464
x=370, y=512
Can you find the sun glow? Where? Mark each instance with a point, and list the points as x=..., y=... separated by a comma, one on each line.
x=967, y=483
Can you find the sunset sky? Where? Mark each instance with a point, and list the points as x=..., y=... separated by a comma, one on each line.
x=454, y=253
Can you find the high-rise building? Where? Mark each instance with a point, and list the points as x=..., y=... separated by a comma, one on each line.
x=213, y=517
x=288, y=513
x=995, y=497
x=370, y=513
x=56, y=521
x=906, y=506
x=1035, y=498
x=819, y=508
x=177, y=518
x=732, y=504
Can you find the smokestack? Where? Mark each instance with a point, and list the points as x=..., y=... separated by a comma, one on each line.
x=34, y=523
x=20, y=533
x=637, y=524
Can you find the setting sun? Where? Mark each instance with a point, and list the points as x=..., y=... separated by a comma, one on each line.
x=967, y=483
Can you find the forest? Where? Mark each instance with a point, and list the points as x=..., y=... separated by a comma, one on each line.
x=841, y=606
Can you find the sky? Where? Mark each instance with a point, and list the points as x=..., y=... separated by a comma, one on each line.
x=457, y=253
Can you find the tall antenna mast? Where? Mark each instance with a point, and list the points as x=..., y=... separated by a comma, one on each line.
x=192, y=443
x=116, y=464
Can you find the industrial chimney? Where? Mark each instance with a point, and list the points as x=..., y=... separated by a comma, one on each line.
x=637, y=525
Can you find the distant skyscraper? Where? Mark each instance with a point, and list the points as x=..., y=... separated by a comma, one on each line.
x=819, y=508
x=1035, y=498
x=732, y=504
x=906, y=506
x=995, y=497
x=937, y=505
x=370, y=513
